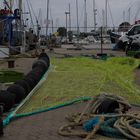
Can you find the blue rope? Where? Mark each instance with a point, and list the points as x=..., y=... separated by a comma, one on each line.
x=12, y=117
x=89, y=125
x=107, y=129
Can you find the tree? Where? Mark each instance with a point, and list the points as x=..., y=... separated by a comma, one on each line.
x=62, y=31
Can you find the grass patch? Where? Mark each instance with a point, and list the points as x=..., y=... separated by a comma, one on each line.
x=72, y=78
x=10, y=76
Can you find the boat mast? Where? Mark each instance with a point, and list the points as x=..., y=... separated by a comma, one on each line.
x=21, y=25
x=20, y=13
x=47, y=21
x=51, y=20
x=11, y=3
x=85, y=20
x=129, y=14
x=106, y=13
x=77, y=14
x=69, y=17
x=123, y=16
x=94, y=13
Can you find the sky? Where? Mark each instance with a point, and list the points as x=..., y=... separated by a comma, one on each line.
x=59, y=7
x=116, y=8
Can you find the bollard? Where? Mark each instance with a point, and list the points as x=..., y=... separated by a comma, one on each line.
x=11, y=63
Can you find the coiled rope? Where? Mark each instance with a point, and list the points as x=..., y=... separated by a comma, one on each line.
x=117, y=125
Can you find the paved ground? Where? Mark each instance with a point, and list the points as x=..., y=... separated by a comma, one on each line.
x=21, y=64
x=45, y=126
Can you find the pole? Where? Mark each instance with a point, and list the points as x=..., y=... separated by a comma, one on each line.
x=47, y=21
x=101, y=40
x=103, y=15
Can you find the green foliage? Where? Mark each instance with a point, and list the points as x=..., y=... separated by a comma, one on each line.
x=79, y=77
x=133, y=53
x=10, y=76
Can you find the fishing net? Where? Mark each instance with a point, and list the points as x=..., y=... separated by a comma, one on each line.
x=72, y=78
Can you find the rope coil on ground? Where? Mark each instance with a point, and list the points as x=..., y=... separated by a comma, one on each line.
x=116, y=125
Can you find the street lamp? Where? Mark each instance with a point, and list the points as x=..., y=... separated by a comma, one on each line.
x=66, y=13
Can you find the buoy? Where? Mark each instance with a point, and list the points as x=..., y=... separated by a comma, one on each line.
x=18, y=91
x=40, y=63
x=31, y=82
x=1, y=122
x=7, y=100
x=25, y=85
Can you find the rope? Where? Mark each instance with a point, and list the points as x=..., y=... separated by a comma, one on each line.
x=117, y=125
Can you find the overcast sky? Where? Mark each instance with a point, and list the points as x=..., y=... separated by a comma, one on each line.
x=59, y=7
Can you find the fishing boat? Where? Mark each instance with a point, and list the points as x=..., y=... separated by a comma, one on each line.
x=15, y=37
